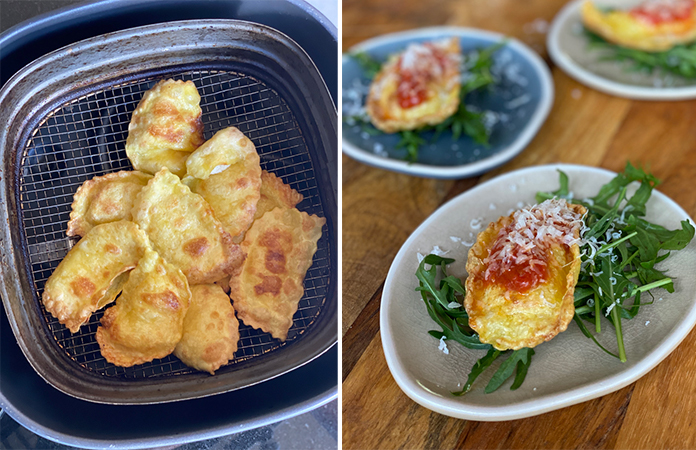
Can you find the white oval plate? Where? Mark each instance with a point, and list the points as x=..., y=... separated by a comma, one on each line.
x=523, y=98
x=567, y=47
x=566, y=370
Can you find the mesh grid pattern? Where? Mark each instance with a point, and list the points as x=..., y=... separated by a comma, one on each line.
x=86, y=137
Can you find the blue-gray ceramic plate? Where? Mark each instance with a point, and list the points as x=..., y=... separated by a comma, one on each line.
x=516, y=106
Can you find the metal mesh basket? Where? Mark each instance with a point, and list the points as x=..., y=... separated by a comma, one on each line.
x=81, y=133
x=86, y=138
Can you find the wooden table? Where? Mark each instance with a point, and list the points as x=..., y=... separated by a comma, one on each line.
x=381, y=209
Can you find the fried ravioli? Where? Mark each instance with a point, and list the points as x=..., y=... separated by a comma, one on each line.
x=280, y=247
x=92, y=273
x=148, y=319
x=417, y=87
x=275, y=194
x=104, y=199
x=654, y=25
x=224, y=284
x=211, y=330
x=165, y=127
x=226, y=172
x=522, y=274
x=184, y=230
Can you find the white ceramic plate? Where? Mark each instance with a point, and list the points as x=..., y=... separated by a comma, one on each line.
x=568, y=47
x=520, y=101
x=566, y=370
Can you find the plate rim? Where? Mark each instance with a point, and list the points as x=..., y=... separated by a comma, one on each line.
x=589, y=78
x=466, y=170
x=525, y=408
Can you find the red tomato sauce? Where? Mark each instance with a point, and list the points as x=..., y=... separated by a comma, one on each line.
x=413, y=81
x=663, y=11
x=520, y=269
x=520, y=277
x=412, y=91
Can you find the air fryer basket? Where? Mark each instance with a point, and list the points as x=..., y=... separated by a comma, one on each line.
x=67, y=127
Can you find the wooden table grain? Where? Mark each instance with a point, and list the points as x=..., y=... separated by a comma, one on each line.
x=380, y=210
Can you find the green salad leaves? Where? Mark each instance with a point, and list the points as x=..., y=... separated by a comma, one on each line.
x=439, y=292
x=466, y=120
x=679, y=60
x=620, y=253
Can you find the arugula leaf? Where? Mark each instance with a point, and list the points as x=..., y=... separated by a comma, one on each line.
x=438, y=295
x=368, y=64
x=411, y=141
x=675, y=239
x=465, y=121
x=479, y=367
x=620, y=253
x=679, y=60
x=623, y=179
x=507, y=368
x=438, y=291
x=521, y=373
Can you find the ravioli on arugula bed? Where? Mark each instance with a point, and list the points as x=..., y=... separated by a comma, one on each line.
x=652, y=26
x=591, y=260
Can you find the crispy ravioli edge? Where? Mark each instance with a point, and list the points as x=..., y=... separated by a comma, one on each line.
x=475, y=265
x=80, y=204
x=310, y=223
x=390, y=124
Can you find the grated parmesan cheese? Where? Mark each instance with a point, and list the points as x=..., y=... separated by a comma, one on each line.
x=656, y=11
x=438, y=251
x=443, y=346
x=421, y=63
x=609, y=308
x=525, y=241
x=519, y=101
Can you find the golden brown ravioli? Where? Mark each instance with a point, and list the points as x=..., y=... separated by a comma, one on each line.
x=655, y=25
x=92, y=273
x=417, y=87
x=224, y=284
x=519, y=292
x=165, y=127
x=148, y=319
x=104, y=199
x=226, y=172
x=211, y=330
x=184, y=230
x=275, y=194
x=279, y=248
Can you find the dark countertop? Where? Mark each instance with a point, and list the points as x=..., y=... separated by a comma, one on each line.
x=316, y=429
